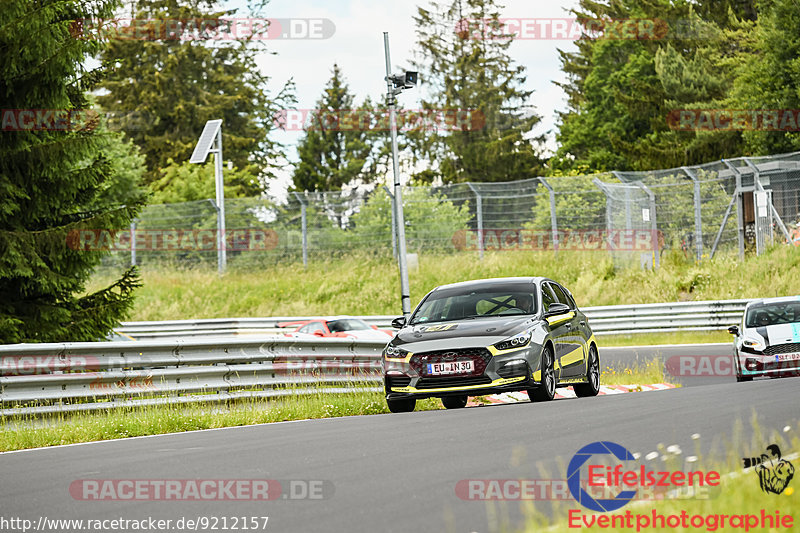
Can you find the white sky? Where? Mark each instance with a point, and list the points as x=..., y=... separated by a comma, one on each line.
x=357, y=47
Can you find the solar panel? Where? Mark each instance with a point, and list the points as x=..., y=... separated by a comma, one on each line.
x=206, y=140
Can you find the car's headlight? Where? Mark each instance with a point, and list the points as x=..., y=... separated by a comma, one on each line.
x=517, y=341
x=395, y=352
x=753, y=344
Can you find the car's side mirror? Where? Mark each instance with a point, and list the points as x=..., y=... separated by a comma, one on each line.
x=557, y=309
x=733, y=330
x=399, y=322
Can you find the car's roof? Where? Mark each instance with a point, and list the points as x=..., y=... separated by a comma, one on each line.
x=489, y=281
x=778, y=300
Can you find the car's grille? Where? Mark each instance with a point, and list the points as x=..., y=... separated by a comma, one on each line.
x=480, y=358
x=435, y=383
x=398, y=381
x=775, y=349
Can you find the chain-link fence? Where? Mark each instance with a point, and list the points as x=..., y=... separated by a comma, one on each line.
x=729, y=206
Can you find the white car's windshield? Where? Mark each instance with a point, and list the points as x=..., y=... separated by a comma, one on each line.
x=772, y=314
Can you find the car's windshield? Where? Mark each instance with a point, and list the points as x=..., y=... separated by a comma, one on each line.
x=477, y=302
x=347, y=324
x=771, y=314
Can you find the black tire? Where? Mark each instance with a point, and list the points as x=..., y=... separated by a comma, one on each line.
x=406, y=405
x=547, y=390
x=584, y=390
x=454, y=402
x=739, y=377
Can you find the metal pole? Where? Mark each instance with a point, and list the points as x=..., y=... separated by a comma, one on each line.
x=133, y=242
x=303, y=228
x=479, y=210
x=553, y=219
x=405, y=298
x=698, y=220
x=653, y=223
x=394, y=222
x=739, y=206
x=221, y=255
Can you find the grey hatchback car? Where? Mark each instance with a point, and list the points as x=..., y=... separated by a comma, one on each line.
x=488, y=336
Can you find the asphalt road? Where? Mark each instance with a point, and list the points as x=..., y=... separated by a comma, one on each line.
x=393, y=472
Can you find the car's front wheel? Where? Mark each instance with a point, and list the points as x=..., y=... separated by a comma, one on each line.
x=406, y=405
x=547, y=390
x=454, y=402
x=592, y=375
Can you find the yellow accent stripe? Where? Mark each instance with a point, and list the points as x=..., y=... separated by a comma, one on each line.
x=495, y=383
x=555, y=319
x=537, y=376
x=494, y=351
x=405, y=359
x=573, y=357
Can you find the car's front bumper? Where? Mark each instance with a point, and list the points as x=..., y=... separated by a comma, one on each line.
x=782, y=365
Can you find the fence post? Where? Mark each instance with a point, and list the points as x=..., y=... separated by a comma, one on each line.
x=303, y=228
x=553, y=219
x=394, y=223
x=133, y=242
x=737, y=194
x=479, y=207
x=698, y=219
x=653, y=223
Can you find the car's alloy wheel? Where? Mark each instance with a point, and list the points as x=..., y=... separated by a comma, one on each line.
x=454, y=402
x=405, y=405
x=547, y=390
x=592, y=375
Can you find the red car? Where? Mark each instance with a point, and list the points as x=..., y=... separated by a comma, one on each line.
x=337, y=327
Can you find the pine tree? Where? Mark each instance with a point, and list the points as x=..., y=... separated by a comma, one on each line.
x=178, y=83
x=53, y=181
x=771, y=80
x=336, y=148
x=465, y=72
x=621, y=92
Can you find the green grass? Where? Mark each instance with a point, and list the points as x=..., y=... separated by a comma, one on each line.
x=369, y=284
x=33, y=432
x=671, y=338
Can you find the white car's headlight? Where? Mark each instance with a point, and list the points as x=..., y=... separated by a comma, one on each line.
x=753, y=344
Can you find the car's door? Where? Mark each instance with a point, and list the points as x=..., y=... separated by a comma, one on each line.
x=559, y=327
x=573, y=360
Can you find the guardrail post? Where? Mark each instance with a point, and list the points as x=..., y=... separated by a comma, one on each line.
x=553, y=220
x=698, y=220
x=479, y=208
x=303, y=228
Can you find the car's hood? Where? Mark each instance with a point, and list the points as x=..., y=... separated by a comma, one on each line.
x=491, y=329
x=780, y=333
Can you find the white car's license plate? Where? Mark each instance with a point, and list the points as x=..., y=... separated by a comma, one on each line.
x=788, y=357
x=451, y=367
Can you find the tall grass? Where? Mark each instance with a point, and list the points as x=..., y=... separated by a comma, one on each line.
x=369, y=284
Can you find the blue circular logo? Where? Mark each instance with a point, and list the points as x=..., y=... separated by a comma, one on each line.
x=574, y=476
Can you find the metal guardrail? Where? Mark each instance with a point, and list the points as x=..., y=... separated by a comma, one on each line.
x=180, y=363
x=63, y=377
x=605, y=320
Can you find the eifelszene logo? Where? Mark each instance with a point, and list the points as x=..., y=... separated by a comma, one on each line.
x=774, y=472
x=600, y=475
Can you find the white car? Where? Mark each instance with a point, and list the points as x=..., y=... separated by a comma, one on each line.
x=767, y=341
